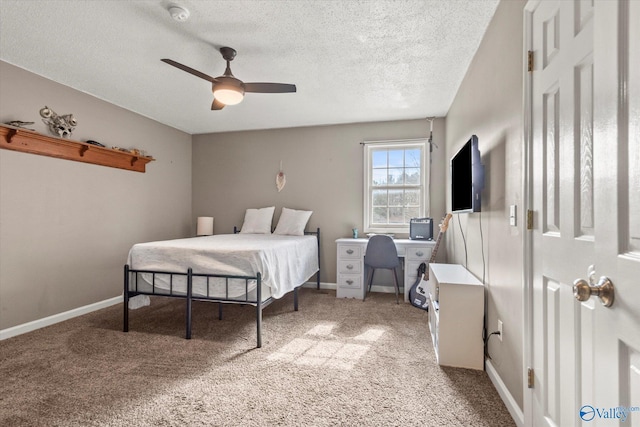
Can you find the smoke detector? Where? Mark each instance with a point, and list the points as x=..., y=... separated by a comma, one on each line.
x=179, y=13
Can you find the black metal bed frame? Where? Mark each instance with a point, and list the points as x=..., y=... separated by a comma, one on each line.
x=130, y=274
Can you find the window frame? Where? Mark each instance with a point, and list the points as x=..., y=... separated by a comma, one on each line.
x=369, y=148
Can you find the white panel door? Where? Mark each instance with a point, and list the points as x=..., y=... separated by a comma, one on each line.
x=585, y=172
x=617, y=195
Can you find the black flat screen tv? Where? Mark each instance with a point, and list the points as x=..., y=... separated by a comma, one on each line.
x=467, y=178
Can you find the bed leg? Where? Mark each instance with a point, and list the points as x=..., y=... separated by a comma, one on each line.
x=318, y=274
x=259, y=324
x=295, y=299
x=188, y=315
x=219, y=311
x=125, y=322
x=259, y=309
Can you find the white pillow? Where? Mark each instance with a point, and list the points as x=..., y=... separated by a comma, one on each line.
x=292, y=222
x=258, y=221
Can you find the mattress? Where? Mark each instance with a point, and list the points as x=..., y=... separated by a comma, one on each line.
x=284, y=262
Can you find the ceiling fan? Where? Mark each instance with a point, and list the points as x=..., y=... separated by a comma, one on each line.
x=228, y=90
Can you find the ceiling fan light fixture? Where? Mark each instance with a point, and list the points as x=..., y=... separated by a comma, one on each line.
x=228, y=95
x=228, y=90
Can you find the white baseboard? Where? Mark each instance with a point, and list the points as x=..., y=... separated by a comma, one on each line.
x=374, y=288
x=57, y=318
x=386, y=289
x=512, y=406
x=60, y=317
x=323, y=285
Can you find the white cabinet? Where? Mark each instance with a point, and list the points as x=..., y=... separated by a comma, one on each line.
x=350, y=266
x=456, y=316
x=351, y=277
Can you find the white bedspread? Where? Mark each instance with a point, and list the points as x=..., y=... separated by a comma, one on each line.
x=285, y=262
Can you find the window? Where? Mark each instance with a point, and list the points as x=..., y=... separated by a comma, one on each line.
x=394, y=184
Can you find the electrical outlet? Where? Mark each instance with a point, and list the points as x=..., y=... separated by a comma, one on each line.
x=500, y=330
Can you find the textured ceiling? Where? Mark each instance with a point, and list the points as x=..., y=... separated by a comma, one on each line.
x=352, y=61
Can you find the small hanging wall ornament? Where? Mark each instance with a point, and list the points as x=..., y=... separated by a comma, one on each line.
x=281, y=179
x=61, y=126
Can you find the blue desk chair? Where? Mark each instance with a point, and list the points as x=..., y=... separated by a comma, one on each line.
x=382, y=253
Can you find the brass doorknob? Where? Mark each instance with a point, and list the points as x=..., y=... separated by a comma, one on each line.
x=603, y=290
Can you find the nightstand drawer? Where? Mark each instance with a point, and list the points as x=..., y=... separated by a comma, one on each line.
x=350, y=281
x=418, y=253
x=349, y=266
x=349, y=251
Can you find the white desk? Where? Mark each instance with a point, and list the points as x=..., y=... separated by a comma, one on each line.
x=350, y=264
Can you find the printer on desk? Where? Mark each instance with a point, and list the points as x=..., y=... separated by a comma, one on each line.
x=421, y=229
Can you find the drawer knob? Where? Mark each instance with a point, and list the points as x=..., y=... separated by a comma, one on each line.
x=350, y=267
x=350, y=251
x=349, y=282
x=419, y=253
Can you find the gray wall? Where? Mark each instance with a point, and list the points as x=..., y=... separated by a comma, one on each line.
x=489, y=104
x=323, y=165
x=66, y=227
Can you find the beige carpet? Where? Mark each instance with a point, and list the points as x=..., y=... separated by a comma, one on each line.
x=334, y=362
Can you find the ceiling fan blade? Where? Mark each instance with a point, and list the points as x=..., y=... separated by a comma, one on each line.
x=189, y=70
x=217, y=105
x=269, y=87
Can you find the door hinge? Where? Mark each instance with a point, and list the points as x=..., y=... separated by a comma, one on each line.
x=530, y=377
x=529, y=219
x=530, y=61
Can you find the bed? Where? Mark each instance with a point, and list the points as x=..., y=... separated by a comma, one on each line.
x=249, y=269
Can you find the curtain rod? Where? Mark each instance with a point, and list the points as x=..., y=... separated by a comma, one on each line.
x=391, y=141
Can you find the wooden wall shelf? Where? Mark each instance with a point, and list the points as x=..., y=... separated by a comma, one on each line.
x=18, y=139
